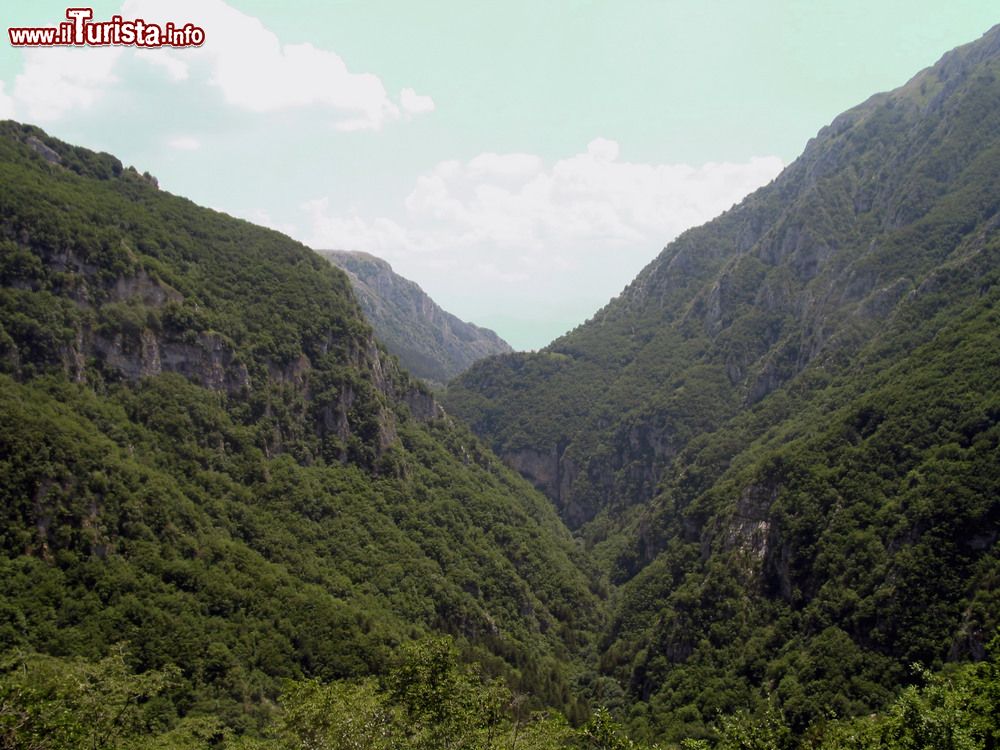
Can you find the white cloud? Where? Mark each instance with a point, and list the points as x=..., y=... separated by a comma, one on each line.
x=517, y=166
x=337, y=232
x=58, y=80
x=603, y=150
x=176, y=68
x=184, y=143
x=255, y=71
x=414, y=103
x=514, y=200
x=241, y=58
x=579, y=228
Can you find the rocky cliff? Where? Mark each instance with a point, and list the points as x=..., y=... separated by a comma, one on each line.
x=431, y=343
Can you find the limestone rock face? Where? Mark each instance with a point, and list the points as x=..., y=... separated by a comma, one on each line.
x=431, y=343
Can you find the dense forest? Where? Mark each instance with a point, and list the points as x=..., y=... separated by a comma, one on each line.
x=781, y=440
x=208, y=459
x=766, y=476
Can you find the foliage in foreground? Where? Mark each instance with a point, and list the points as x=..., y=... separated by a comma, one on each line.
x=430, y=701
x=427, y=700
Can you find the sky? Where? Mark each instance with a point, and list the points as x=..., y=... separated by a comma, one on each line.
x=521, y=160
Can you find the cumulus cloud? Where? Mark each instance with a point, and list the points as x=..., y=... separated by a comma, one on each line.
x=516, y=201
x=175, y=68
x=582, y=226
x=603, y=150
x=58, y=80
x=255, y=71
x=491, y=166
x=414, y=103
x=351, y=231
x=242, y=59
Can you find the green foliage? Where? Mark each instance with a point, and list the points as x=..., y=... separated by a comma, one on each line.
x=953, y=710
x=431, y=701
x=338, y=716
x=742, y=731
x=780, y=441
x=604, y=733
x=172, y=529
x=207, y=454
x=49, y=703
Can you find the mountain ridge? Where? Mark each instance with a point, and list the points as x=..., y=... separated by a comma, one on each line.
x=727, y=425
x=696, y=254
x=207, y=453
x=430, y=342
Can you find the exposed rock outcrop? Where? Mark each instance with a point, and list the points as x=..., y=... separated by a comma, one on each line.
x=431, y=343
x=136, y=326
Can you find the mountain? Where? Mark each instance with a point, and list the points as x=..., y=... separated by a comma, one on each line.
x=781, y=439
x=431, y=343
x=229, y=519
x=206, y=455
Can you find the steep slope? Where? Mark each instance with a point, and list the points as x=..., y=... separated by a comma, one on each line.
x=206, y=454
x=782, y=436
x=431, y=343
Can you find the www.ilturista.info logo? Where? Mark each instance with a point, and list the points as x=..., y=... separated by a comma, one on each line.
x=80, y=31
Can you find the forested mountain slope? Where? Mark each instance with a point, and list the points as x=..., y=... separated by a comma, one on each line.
x=205, y=454
x=781, y=442
x=430, y=342
x=782, y=437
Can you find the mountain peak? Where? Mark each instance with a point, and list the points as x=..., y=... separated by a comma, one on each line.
x=355, y=257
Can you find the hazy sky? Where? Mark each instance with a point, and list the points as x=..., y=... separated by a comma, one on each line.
x=520, y=160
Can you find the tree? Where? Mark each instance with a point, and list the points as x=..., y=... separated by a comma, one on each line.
x=50, y=703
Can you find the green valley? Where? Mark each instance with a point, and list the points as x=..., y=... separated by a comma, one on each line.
x=751, y=503
x=781, y=440
x=207, y=456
